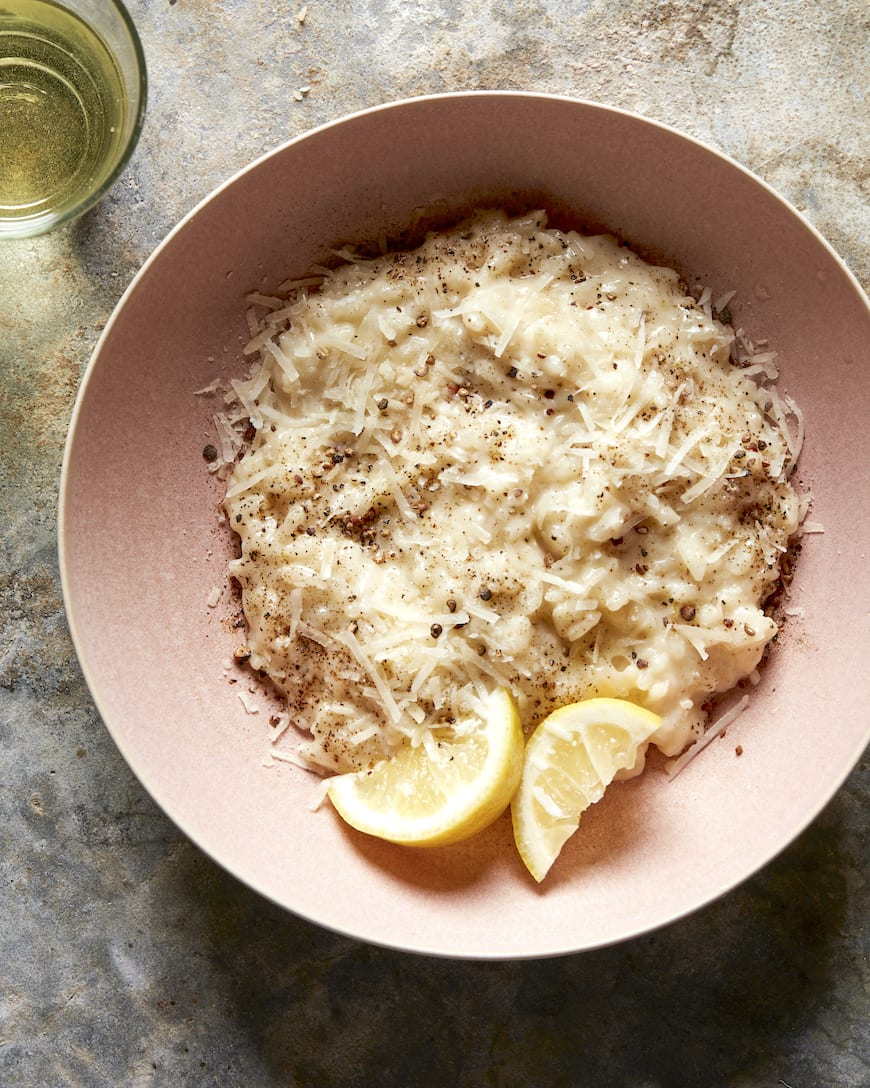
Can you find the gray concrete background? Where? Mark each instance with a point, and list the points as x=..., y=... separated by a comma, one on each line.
x=126, y=956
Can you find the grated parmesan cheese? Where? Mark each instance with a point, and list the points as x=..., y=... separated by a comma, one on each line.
x=513, y=457
x=674, y=766
x=248, y=703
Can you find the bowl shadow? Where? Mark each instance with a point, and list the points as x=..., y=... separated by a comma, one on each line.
x=719, y=997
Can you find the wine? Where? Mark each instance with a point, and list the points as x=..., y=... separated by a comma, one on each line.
x=63, y=104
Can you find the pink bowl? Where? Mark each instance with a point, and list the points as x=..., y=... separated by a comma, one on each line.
x=141, y=549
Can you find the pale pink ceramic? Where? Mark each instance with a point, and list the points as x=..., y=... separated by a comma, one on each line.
x=141, y=548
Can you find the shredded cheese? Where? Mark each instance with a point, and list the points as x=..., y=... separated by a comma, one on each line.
x=674, y=766
x=515, y=456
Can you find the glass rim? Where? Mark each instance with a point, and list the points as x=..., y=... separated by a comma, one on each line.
x=49, y=221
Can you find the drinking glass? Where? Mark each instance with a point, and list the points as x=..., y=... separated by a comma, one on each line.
x=72, y=101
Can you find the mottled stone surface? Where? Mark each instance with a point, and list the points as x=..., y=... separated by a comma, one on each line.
x=126, y=956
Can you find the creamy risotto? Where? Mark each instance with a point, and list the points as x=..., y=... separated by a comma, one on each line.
x=515, y=456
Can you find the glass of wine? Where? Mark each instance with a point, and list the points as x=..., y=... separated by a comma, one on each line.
x=72, y=101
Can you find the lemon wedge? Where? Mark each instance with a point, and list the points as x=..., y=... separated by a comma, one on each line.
x=570, y=759
x=423, y=797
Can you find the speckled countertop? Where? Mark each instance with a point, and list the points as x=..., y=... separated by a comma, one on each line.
x=126, y=956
